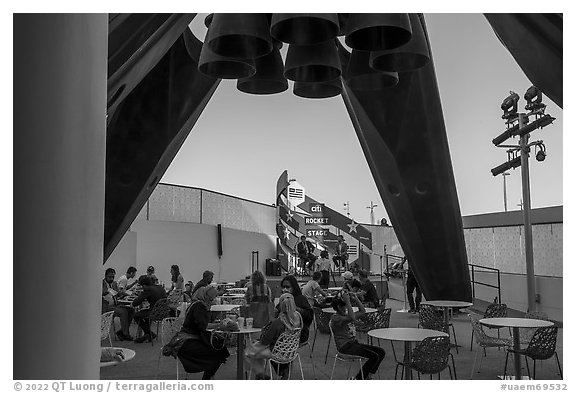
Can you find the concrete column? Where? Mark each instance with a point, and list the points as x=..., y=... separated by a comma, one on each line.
x=60, y=74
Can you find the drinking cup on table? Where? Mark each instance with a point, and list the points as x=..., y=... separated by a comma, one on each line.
x=241, y=322
x=249, y=323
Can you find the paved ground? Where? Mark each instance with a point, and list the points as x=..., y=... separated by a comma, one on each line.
x=145, y=364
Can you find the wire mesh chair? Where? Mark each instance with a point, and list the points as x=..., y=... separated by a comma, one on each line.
x=542, y=346
x=430, y=356
x=484, y=341
x=526, y=334
x=321, y=321
x=236, y=291
x=345, y=358
x=169, y=327
x=159, y=311
x=494, y=310
x=105, y=325
x=285, y=350
x=373, y=320
x=175, y=299
x=430, y=317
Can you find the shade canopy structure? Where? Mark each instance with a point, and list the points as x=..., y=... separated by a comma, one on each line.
x=156, y=94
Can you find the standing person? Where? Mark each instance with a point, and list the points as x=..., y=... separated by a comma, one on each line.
x=367, y=292
x=206, y=280
x=110, y=293
x=150, y=273
x=128, y=280
x=411, y=286
x=289, y=284
x=151, y=293
x=177, y=278
x=324, y=266
x=257, y=290
x=344, y=330
x=341, y=257
x=305, y=250
x=312, y=288
x=197, y=354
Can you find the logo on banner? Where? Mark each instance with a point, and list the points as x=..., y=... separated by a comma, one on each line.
x=296, y=194
x=317, y=232
x=316, y=208
x=317, y=220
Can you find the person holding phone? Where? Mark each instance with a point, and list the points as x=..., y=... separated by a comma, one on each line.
x=344, y=331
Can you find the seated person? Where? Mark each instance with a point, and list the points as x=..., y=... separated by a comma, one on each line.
x=206, y=280
x=367, y=293
x=176, y=278
x=197, y=354
x=150, y=272
x=288, y=319
x=350, y=283
x=128, y=280
x=257, y=290
x=110, y=294
x=187, y=294
x=312, y=288
x=344, y=330
x=289, y=284
x=150, y=293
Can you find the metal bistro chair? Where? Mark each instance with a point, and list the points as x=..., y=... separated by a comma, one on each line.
x=430, y=356
x=175, y=299
x=494, y=310
x=170, y=326
x=541, y=347
x=159, y=311
x=321, y=321
x=484, y=341
x=373, y=320
x=345, y=358
x=526, y=334
x=285, y=351
x=431, y=318
x=105, y=325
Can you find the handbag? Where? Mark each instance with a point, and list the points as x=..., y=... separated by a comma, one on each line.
x=256, y=355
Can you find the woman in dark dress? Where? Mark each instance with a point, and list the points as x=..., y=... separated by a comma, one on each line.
x=197, y=354
x=289, y=284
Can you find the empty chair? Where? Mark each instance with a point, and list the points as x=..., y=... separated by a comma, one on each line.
x=542, y=346
x=527, y=333
x=170, y=326
x=494, y=310
x=374, y=320
x=175, y=299
x=432, y=318
x=484, y=341
x=430, y=356
x=105, y=324
x=321, y=321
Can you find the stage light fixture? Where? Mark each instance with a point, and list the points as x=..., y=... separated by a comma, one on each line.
x=533, y=97
x=541, y=154
x=510, y=106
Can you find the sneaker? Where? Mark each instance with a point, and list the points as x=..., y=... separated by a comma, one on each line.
x=412, y=311
x=143, y=338
x=128, y=338
x=120, y=335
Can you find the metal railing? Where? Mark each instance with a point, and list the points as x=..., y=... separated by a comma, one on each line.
x=474, y=282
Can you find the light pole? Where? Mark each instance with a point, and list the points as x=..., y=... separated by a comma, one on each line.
x=371, y=207
x=504, y=174
x=347, y=208
x=518, y=156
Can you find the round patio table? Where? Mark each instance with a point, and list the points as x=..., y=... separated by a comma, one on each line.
x=223, y=307
x=335, y=288
x=240, y=352
x=330, y=310
x=129, y=354
x=516, y=324
x=408, y=336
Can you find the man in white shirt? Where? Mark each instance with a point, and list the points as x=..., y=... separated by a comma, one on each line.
x=128, y=280
x=312, y=288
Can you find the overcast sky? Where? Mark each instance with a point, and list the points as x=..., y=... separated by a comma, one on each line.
x=242, y=143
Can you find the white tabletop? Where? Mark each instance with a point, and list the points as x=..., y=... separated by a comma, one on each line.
x=232, y=295
x=335, y=288
x=223, y=307
x=128, y=355
x=237, y=290
x=405, y=334
x=331, y=310
x=447, y=303
x=516, y=322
